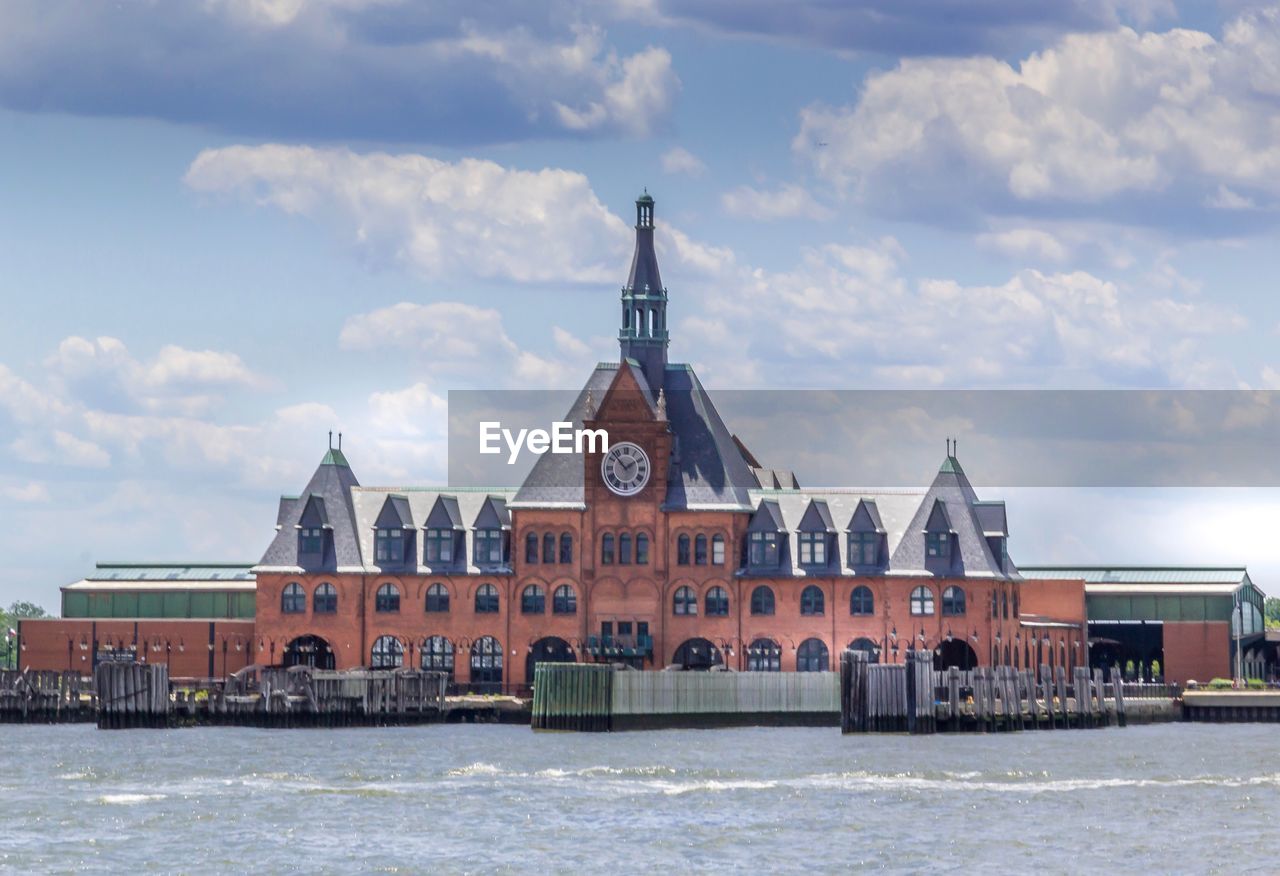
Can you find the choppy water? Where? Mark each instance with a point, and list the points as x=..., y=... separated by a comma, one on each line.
x=1171, y=798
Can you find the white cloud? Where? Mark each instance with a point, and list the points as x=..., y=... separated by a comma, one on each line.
x=59, y=447
x=32, y=492
x=411, y=412
x=1162, y=119
x=103, y=372
x=339, y=69
x=679, y=160
x=788, y=202
x=850, y=315
x=470, y=217
x=468, y=342
x=1033, y=244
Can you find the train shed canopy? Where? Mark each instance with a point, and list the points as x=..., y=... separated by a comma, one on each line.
x=163, y=590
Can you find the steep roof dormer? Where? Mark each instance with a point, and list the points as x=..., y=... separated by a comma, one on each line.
x=324, y=504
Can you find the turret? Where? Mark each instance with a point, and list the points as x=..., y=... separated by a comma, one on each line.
x=643, y=336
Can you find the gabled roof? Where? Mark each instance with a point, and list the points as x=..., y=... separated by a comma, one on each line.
x=395, y=513
x=866, y=517
x=768, y=518
x=952, y=493
x=328, y=493
x=314, y=513
x=939, y=520
x=445, y=514
x=493, y=514
x=817, y=518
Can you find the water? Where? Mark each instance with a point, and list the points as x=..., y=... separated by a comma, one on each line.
x=1160, y=799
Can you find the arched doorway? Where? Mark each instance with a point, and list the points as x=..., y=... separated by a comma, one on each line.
x=955, y=653
x=549, y=649
x=311, y=651
x=698, y=655
x=868, y=647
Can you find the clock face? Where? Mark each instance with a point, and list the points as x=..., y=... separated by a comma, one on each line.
x=625, y=468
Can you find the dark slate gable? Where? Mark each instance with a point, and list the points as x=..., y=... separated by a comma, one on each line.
x=493, y=514
x=768, y=518
x=939, y=519
x=395, y=514
x=288, y=510
x=445, y=514
x=991, y=517
x=325, y=502
x=866, y=518
x=817, y=518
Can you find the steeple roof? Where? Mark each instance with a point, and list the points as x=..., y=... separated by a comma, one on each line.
x=329, y=489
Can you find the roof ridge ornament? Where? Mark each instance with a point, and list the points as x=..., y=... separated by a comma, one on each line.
x=591, y=405
x=662, y=403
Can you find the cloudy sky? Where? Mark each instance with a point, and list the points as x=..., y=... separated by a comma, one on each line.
x=228, y=227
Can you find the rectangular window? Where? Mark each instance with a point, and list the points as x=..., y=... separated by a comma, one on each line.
x=937, y=544
x=624, y=628
x=311, y=541
x=763, y=549
x=813, y=549
x=717, y=551
x=863, y=548
x=390, y=546
x=488, y=546
x=440, y=545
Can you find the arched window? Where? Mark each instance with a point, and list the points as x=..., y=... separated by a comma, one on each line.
x=387, y=599
x=437, y=598
x=293, y=600
x=564, y=600
x=642, y=549
x=325, y=599
x=549, y=548
x=531, y=548
x=868, y=647
x=717, y=550
x=861, y=602
x=952, y=601
x=812, y=656
x=437, y=655
x=624, y=549
x=682, y=550
x=486, y=599
x=764, y=655
x=387, y=653
x=533, y=600
x=1015, y=603
x=812, y=602
x=995, y=604
x=685, y=601
x=1004, y=605
x=486, y=662
x=606, y=550
x=717, y=601
x=700, y=550
x=566, y=548
x=762, y=601
x=922, y=601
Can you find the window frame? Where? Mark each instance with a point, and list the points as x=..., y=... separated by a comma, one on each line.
x=684, y=601
x=329, y=595
x=720, y=606
x=533, y=599
x=862, y=601
x=487, y=592
x=813, y=601
x=922, y=598
x=764, y=602
x=562, y=604
x=386, y=599
x=293, y=599
x=439, y=543
x=954, y=601
x=437, y=599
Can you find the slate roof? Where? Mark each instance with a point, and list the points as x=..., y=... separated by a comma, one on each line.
x=951, y=487
x=332, y=484
x=163, y=572
x=1142, y=575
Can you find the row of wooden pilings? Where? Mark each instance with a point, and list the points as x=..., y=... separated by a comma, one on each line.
x=915, y=698
x=138, y=695
x=572, y=696
x=43, y=697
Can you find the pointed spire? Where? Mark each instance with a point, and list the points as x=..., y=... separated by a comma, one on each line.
x=643, y=333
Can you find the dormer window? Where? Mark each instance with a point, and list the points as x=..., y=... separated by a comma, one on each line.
x=389, y=546
x=937, y=545
x=489, y=546
x=813, y=548
x=440, y=545
x=763, y=549
x=864, y=548
x=310, y=540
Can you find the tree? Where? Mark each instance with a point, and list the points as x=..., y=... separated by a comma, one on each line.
x=1272, y=610
x=19, y=610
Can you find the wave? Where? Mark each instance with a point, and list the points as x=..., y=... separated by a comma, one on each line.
x=129, y=799
x=480, y=768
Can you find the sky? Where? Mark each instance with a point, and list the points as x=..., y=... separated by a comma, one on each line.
x=230, y=227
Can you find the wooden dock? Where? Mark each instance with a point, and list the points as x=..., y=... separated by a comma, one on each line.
x=915, y=698
x=44, y=697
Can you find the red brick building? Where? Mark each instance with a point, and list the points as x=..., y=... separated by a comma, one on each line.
x=673, y=548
